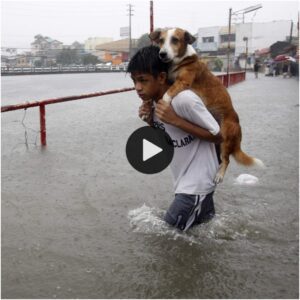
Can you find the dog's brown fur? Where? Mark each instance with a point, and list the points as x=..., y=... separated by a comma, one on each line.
x=194, y=74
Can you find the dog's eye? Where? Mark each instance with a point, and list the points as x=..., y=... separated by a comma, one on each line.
x=174, y=40
x=161, y=41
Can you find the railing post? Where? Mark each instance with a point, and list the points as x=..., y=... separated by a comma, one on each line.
x=225, y=82
x=43, y=125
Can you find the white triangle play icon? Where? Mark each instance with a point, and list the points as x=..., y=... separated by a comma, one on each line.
x=149, y=150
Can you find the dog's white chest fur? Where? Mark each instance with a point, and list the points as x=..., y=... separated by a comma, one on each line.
x=172, y=74
x=172, y=77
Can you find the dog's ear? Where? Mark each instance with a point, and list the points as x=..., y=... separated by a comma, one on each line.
x=190, y=39
x=154, y=35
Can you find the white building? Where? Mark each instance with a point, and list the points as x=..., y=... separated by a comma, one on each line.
x=42, y=44
x=91, y=43
x=260, y=35
x=208, y=39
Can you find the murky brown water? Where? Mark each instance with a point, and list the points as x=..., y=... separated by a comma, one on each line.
x=79, y=222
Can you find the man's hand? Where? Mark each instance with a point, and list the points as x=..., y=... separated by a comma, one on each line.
x=145, y=111
x=166, y=113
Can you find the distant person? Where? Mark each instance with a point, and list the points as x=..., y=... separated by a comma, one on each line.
x=276, y=70
x=285, y=70
x=267, y=70
x=294, y=69
x=256, y=69
x=193, y=131
x=271, y=71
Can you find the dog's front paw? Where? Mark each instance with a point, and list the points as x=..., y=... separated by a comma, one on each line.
x=219, y=178
x=167, y=98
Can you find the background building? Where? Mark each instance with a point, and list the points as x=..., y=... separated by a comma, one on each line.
x=261, y=35
x=91, y=43
x=117, y=51
x=213, y=41
x=208, y=40
x=43, y=50
x=42, y=44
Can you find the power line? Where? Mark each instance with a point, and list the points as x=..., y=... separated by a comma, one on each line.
x=40, y=50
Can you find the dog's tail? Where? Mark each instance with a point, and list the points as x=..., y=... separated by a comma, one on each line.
x=246, y=160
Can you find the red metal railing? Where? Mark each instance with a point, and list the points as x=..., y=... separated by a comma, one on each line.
x=42, y=105
x=233, y=79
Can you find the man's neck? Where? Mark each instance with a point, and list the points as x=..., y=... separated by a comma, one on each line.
x=161, y=93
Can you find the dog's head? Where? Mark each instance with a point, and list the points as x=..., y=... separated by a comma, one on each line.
x=173, y=43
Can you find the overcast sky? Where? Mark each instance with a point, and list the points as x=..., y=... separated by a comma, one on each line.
x=69, y=21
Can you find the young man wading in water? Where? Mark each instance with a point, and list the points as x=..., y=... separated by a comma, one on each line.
x=194, y=132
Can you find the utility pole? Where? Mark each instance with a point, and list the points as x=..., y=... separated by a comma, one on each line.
x=228, y=46
x=298, y=31
x=245, y=39
x=151, y=16
x=130, y=15
x=291, y=32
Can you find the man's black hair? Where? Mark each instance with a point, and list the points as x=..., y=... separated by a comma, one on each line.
x=147, y=61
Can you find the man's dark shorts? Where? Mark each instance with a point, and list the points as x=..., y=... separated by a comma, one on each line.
x=188, y=210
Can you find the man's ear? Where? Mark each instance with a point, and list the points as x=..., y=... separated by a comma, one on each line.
x=154, y=35
x=162, y=77
x=189, y=39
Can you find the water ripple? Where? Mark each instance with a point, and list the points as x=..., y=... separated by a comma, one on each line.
x=225, y=226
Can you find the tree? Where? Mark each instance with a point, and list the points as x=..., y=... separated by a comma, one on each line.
x=89, y=59
x=38, y=63
x=38, y=38
x=68, y=57
x=143, y=41
x=218, y=65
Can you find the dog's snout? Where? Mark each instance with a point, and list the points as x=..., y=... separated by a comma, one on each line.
x=162, y=55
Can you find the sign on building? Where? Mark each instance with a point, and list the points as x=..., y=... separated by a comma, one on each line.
x=124, y=31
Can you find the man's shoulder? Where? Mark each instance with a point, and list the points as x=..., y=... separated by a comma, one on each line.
x=186, y=93
x=186, y=98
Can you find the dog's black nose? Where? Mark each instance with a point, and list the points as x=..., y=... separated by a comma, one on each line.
x=162, y=55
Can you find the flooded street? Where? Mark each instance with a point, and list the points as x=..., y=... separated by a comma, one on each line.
x=79, y=222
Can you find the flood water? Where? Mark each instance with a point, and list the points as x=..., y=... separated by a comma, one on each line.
x=79, y=222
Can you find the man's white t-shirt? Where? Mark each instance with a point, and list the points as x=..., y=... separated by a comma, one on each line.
x=195, y=163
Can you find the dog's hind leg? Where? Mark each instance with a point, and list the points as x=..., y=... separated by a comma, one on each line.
x=224, y=164
x=221, y=172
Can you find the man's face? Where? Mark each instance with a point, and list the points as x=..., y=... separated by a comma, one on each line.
x=146, y=86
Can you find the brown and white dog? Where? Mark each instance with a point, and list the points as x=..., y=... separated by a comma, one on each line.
x=188, y=72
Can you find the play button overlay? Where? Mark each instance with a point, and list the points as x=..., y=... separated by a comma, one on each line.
x=149, y=150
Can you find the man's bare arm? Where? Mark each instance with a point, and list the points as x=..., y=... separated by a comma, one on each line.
x=166, y=113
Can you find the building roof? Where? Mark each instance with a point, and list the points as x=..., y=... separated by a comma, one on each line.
x=262, y=51
x=279, y=47
x=118, y=46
